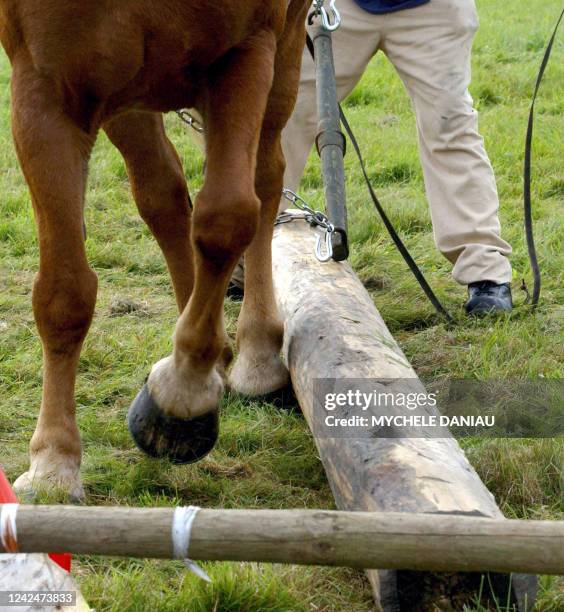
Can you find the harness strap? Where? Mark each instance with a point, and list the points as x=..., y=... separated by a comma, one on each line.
x=387, y=223
x=527, y=204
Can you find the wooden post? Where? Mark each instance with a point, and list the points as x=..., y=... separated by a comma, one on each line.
x=333, y=331
x=306, y=537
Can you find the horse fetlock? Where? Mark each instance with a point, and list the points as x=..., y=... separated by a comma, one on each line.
x=224, y=361
x=184, y=392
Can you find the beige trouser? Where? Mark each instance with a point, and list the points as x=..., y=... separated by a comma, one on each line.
x=430, y=47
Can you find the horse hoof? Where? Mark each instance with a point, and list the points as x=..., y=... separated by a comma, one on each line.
x=30, y=485
x=161, y=435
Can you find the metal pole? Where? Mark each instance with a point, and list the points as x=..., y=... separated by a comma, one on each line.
x=330, y=140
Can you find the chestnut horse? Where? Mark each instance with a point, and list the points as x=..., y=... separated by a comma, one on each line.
x=84, y=65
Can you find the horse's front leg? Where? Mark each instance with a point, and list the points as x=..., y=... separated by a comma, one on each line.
x=53, y=153
x=176, y=413
x=259, y=370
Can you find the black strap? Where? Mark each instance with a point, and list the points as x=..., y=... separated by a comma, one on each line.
x=527, y=205
x=388, y=224
x=391, y=229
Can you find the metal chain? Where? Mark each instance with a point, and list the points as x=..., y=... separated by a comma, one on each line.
x=330, y=23
x=315, y=218
x=190, y=120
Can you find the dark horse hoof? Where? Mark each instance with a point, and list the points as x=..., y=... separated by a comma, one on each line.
x=161, y=435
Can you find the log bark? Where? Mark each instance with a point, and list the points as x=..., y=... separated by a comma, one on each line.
x=334, y=331
x=306, y=537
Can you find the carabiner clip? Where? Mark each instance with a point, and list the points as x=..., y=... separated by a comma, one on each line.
x=323, y=258
x=330, y=24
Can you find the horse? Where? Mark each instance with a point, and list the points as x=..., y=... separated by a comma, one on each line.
x=79, y=67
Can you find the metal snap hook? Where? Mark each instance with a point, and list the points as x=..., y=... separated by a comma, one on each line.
x=325, y=254
x=330, y=23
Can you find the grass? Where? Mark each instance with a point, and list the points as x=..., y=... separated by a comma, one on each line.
x=266, y=458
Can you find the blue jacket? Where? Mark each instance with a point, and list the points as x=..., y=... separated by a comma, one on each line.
x=387, y=6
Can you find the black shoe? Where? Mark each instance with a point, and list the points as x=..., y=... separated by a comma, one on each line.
x=235, y=291
x=236, y=288
x=486, y=297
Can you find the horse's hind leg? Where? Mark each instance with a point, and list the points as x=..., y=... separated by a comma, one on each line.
x=54, y=153
x=160, y=191
x=175, y=415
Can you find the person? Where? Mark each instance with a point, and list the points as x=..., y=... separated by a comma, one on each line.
x=429, y=43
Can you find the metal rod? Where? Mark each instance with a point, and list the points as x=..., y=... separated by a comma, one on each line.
x=330, y=141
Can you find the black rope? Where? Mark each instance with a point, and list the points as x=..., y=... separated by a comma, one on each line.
x=527, y=204
x=387, y=223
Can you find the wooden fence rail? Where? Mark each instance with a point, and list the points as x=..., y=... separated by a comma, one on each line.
x=309, y=537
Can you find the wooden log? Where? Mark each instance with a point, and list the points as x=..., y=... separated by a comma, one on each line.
x=333, y=331
x=306, y=537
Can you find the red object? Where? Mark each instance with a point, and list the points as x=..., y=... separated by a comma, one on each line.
x=7, y=496
x=62, y=559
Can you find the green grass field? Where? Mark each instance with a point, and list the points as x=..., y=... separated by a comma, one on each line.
x=266, y=458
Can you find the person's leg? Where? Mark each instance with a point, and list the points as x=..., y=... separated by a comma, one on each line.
x=430, y=47
x=354, y=44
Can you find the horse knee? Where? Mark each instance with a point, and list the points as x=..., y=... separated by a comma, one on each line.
x=224, y=227
x=63, y=308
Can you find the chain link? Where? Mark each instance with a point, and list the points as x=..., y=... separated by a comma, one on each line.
x=316, y=219
x=190, y=120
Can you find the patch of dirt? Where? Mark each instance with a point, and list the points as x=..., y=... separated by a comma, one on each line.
x=124, y=306
x=232, y=470
x=375, y=282
x=450, y=592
